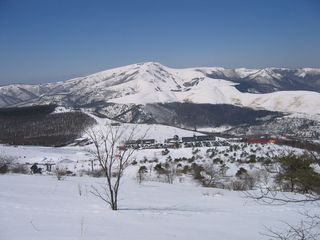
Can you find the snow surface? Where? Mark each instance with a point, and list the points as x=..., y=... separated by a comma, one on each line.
x=154, y=83
x=218, y=91
x=41, y=207
x=77, y=158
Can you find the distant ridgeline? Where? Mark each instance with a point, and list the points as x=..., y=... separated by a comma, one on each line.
x=39, y=125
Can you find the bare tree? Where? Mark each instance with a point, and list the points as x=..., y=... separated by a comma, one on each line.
x=307, y=229
x=170, y=173
x=114, y=157
x=277, y=197
x=213, y=172
x=315, y=156
x=141, y=174
x=309, y=226
x=210, y=174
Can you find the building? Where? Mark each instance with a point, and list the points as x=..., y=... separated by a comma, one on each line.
x=262, y=141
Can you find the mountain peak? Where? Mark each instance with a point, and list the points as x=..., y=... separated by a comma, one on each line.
x=150, y=82
x=149, y=64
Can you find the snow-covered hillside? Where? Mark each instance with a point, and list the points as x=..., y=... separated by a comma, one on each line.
x=154, y=83
x=40, y=207
x=76, y=158
x=32, y=206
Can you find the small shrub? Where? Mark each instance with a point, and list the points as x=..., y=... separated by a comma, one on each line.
x=252, y=158
x=97, y=173
x=145, y=159
x=217, y=160
x=134, y=162
x=238, y=185
x=186, y=169
x=196, y=171
x=61, y=173
x=4, y=168
x=169, y=159
x=4, y=164
x=195, y=151
x=159, y=169
x=165, y=152
x=19, y=168
x=191, y=160
x=267, y=162
x=241, y=172
x=141, y=174
x=250, y=181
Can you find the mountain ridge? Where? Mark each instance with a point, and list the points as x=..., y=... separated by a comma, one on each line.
x=276, y=89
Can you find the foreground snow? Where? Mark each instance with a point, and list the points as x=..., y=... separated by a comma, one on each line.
x=40, y=207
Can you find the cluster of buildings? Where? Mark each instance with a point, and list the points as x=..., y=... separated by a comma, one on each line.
x=194, y=141
x=176, y=142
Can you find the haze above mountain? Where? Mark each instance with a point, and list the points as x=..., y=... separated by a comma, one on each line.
x=276, y=89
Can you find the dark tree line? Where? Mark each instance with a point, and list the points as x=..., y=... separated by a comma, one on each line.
x=190, y=114
x=37, y=127
x=27, y=111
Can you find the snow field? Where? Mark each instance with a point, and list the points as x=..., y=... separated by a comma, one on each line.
x=40, y=207
x=76, y=159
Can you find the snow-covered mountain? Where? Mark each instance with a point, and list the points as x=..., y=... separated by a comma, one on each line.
x=145, y=83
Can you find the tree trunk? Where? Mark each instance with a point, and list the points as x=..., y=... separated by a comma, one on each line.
x=292, y=184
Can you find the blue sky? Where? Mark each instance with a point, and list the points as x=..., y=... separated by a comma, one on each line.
x=52, y=40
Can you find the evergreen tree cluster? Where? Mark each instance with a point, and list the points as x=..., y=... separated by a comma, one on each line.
x=39, y=126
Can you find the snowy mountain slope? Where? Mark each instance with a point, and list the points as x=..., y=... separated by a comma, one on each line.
x=216, y=91
x=153, y=83
x=269, y=79
x=13, y=94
